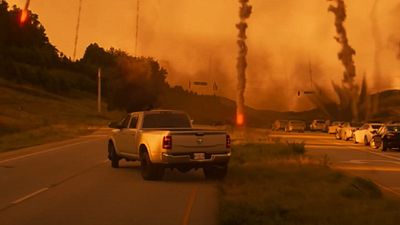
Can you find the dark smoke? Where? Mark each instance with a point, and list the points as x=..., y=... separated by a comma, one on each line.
x=244, y=13
x=27, y=4
x=77, y=29
x=376, y=33
x=349, y=90
x=354, y=102
x=347, y=52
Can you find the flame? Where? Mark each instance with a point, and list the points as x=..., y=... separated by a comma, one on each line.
x=25, y=12
x=240, y=119
x=24, y=16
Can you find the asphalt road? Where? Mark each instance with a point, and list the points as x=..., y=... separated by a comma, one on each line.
x=381, y=167
x=72, y=183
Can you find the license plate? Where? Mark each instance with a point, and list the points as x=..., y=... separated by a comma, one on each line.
x=199, y=156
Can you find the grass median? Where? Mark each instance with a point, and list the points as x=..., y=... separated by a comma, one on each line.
x=278, y=184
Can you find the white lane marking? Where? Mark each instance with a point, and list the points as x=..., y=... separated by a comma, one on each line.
x=388, y=189
x=44, y=151
x=367, y=161
x=54, y=185
x=378, y=154
x=29, y=196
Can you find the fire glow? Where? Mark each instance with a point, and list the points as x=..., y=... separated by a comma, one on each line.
x=25, y=13
x=240, y=119
x=24, y=16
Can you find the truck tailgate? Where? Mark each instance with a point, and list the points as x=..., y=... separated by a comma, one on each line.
x=198, y=141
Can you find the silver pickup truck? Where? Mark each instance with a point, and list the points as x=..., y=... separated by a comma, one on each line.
x=162, y=139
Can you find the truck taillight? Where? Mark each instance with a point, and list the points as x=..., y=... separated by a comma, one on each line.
x=228, y=141
x=167, y=142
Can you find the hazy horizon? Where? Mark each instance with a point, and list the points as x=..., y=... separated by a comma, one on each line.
x=196, y=41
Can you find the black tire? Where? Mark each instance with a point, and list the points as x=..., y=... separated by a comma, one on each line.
x=346, y=137
x=149, y=170
x=215, y=172
x=366, y=143
x=373, y=144
x=112, y=155
x=384, y=146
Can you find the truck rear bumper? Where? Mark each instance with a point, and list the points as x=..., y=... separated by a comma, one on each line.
x=189, y=159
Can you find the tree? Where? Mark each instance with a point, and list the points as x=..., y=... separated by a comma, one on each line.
x=137, y=84
x=96, y=55
x=26, y=42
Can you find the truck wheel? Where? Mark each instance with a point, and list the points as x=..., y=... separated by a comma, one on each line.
x=149, y=170
x=215, y=172
x=112, y=155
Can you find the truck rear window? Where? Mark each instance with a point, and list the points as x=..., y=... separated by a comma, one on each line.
x=166, y=120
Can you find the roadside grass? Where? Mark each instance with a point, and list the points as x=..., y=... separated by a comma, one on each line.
x=31, y=116
x=277, y=184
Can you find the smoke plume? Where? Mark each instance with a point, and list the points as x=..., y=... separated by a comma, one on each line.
x=244, y=13
x=354, y=104
x=77, y=29
x=347, y=52
x=349, y=90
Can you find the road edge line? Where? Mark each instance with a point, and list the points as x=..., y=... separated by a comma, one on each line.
x=189, y=206
x=44, y=151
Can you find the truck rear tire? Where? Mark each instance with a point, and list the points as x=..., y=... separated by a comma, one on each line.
x=149, y=170
x=112, y=155
x=215, y=172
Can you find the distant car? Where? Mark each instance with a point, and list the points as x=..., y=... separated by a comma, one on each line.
x=346, y=131
x=295, y=125
x=334, y=126
x=387, y=137
x=317, y=125
x=279, y=125
x=366, y=132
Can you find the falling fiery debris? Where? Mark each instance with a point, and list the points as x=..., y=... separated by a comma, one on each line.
x=244, y=13
x=25, y=12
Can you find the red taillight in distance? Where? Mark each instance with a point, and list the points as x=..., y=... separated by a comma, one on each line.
x=228, y=141
x=167, y=142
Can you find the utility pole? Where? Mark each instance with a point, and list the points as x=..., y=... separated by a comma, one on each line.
x=99, y=90
x=137, y=27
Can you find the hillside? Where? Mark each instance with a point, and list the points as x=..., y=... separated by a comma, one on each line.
x=31, y=116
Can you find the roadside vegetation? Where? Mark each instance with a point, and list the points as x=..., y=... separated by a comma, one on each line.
x=31, y=116
x=277, y=184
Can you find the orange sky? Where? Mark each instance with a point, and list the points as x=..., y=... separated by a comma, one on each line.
x=195, y=40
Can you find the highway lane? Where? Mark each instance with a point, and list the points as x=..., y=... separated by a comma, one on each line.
x=381, y=167
x=73, y=183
